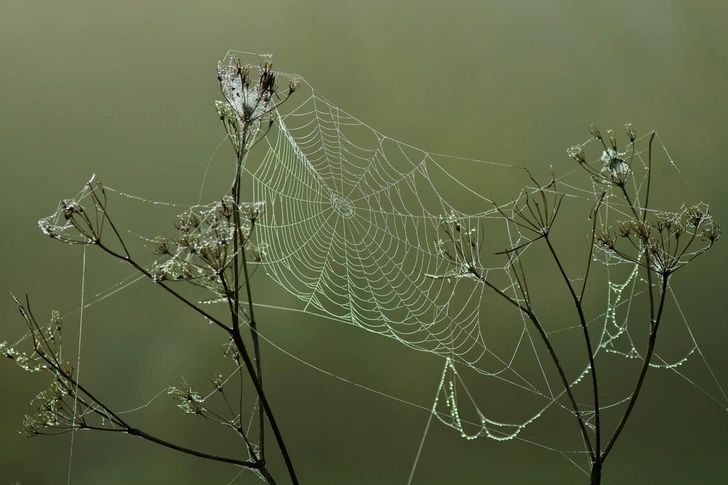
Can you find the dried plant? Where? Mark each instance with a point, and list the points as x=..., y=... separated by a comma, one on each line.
x=211, y=250
x=658, y=242
x=215, y=243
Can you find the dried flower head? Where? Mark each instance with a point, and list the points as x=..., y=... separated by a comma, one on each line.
x=606, y=238
x=161, y=246
x=293, y=84
x=191, y=401
x=712, y=232
x=250, y=103
x=664, y=241
x=616, y=169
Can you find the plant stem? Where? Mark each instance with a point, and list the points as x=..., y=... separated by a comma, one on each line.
x=590, y=351
x=240, y=260
x=124, y=427
x=645, y=365
x=235, y=335
x=567, y=387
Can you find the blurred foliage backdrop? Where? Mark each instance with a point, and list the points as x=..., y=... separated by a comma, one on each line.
x=126, y=89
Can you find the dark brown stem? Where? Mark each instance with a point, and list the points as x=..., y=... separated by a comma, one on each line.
x=256, y=345
x=123, y=426
x=266, y=407
x=239, y=249
x=590, y=351
x=596, y=473
x=241, y=348
x=253, y=370
x=144, y=435
x=552, y=352
x=655, y=324
x=166, y=287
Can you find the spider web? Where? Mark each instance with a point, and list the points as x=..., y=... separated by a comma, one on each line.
x=352, y=228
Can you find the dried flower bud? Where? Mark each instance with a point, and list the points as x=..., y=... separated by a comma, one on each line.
x=606, y=238
x=56, y=322
x=577, y=153
x=191, y=400
x=69, y=208
x=595, y=132
x=293, y=84
x=618, y=169
x=187, y=221
x=226, y=207
x=662, y=222
x=712, y=232
x=186, y=241
x=160, y=246
x=631, y=133
x=677, y=228
x=625, y=228
x=641, y=230
x=696, y=214
x=267, y=79
x=46, y=227
x=218, y=382
x=612, y=139
x=252, y=212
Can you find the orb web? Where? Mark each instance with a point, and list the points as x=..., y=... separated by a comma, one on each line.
x=353, y=229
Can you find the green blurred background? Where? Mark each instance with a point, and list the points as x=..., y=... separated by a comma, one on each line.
x=126, y=90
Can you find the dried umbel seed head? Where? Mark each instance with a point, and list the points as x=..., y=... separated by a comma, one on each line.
x=250, y=103
x=669, y=224
x=174, y=270
x=657, y=242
